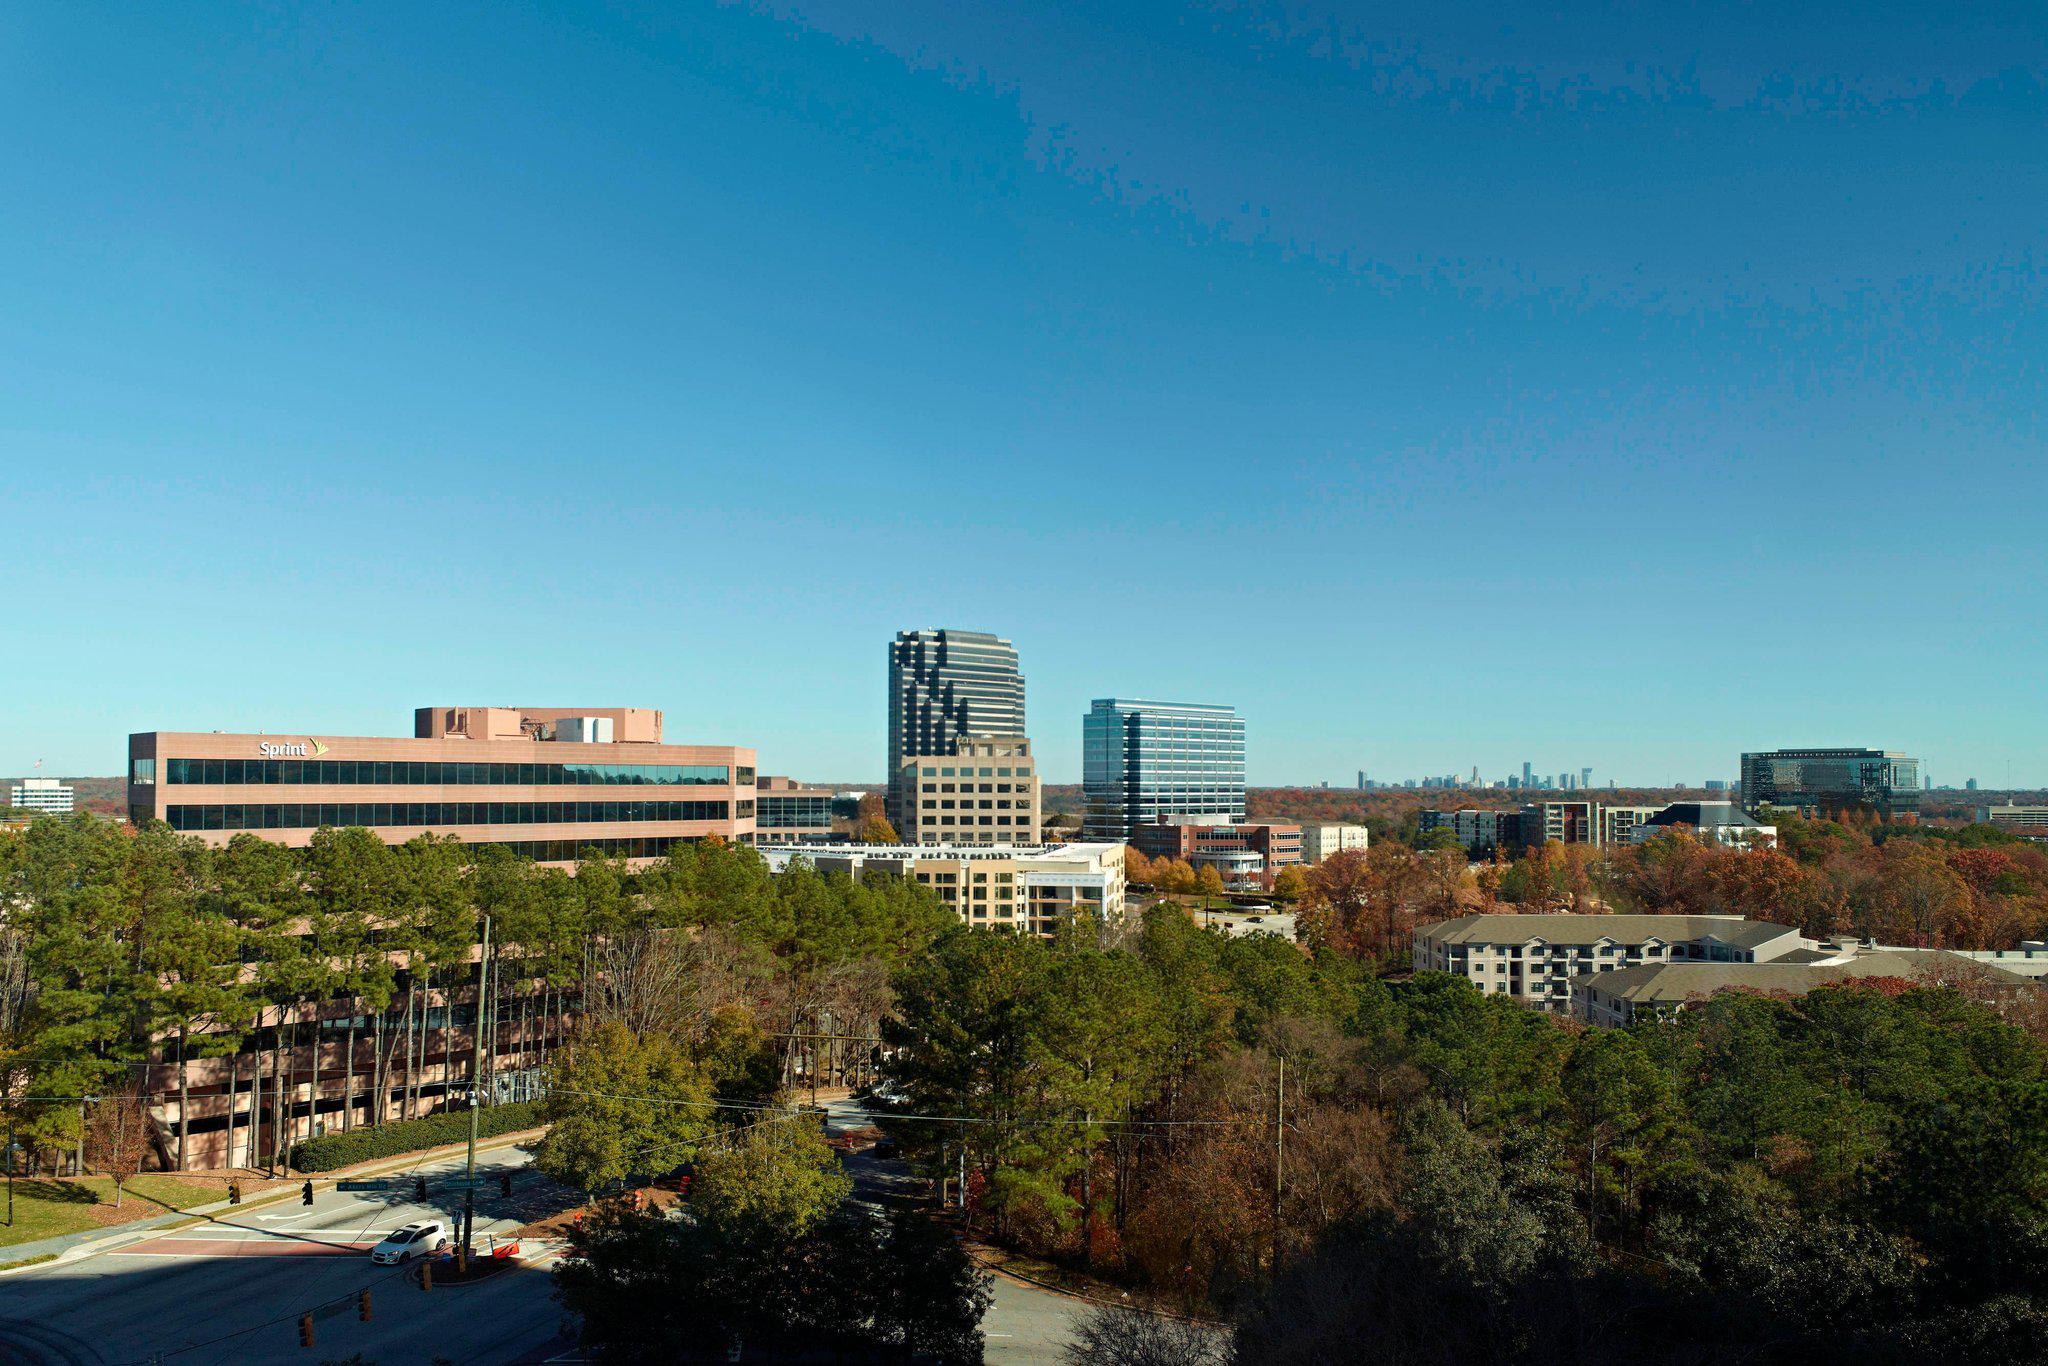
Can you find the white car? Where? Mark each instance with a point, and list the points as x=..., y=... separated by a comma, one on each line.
x=421, y=1239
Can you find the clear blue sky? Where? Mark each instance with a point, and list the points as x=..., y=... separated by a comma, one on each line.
x=1625, y=388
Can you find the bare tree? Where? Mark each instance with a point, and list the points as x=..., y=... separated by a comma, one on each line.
x=1135, y=1337
x=642, y=981
x=118, y=1137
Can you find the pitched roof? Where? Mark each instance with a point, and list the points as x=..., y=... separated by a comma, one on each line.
x=1591, y=929
x=1662, y=982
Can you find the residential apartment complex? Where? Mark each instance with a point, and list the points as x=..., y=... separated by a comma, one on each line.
x=984, y=792
x=1246, y=855
x=1319, y=841
x=1877, y=781
x=547, y=783
x=47, y=795
x=1142, y=762
x=1617, y=969
x=945, y=685
x=1030, y=888
x=1535, y=957
x=1622, y=996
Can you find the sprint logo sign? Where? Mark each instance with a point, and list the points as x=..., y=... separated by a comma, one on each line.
x=308, y=749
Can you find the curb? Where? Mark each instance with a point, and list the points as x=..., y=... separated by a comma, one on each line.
x=204, y=1214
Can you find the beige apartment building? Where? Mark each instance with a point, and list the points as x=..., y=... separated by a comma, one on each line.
x=1029, y=888
x=1319, y=841
x=985, y=793
x=545, y=782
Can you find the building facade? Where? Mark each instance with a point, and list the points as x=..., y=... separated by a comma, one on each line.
x=1879, y=782
x=1712, y=822
x=1535, y=957
x=49, y=796
x=2029, y=822
x=1027, y=888
x=530, y=779
x=787, y=812
x=1143, y=761
x=1247, y=855
x=1319, y=841
x=984, y=792
x=1483, y=833
x=944, y=685
x=1624, y=996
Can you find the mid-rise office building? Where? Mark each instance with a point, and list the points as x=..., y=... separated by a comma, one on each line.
x=1879, y=782
x=2031, y=822
x=984, y=792
x=1320, y=840
x=547, y=783
x=1143, y=762
x=1617, y=823
x=944, y=685
x=787, y=812
x=1028, y=888
x=1246, y=855
x=50, y=796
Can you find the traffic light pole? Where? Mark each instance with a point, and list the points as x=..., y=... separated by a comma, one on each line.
x=475, y=1098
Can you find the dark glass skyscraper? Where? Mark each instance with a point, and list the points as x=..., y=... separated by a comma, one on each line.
x=1879, y=781
x=1142, y=760
x=944, y=685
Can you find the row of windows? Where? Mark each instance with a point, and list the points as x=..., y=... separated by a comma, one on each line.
x=342, y=772
x=936, y=771
x=312, y=815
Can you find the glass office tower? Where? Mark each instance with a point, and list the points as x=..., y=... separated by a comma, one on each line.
x=1141, y=761
x=944, y=685
x=1879, y=781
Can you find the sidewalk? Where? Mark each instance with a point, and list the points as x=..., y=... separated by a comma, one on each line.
x=71, y=1247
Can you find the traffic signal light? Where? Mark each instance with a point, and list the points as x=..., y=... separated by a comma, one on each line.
x=363, y=1305
x=305, y=1330
x=419, y=1189
x=234, y=1192
x=306, y=1194
x=505, y=1185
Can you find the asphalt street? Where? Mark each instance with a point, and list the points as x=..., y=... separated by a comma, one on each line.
x=232, y=1289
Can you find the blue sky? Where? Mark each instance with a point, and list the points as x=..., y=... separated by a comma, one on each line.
x=1626, y=386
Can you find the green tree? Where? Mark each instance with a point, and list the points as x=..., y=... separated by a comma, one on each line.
x=621, y=1108
x=773, y=1179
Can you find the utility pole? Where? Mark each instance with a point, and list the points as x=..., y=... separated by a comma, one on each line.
x=475, y=1100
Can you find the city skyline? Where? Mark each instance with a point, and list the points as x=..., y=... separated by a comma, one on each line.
x=427, y=354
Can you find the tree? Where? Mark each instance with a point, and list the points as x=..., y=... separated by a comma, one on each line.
x=851, y=1286
x=1134, y=1337
x=117, y=1136
x=1290, y=884
x=872, y=826
x=621, y=1107
x=773, y=1179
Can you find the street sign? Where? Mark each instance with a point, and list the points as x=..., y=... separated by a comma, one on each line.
x=363, y=1185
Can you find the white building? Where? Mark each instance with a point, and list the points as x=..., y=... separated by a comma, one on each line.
x=1318, y=842
x=1712, y=822
x=1535, y=957
x=1031, y=888
x=43, y=794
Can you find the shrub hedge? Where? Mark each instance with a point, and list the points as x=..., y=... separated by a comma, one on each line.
x=330, y=1151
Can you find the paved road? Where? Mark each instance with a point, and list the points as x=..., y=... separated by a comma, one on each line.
x=1023, y=1323
x=232, y=1289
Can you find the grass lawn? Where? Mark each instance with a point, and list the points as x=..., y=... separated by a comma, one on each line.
x=44, y=1208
